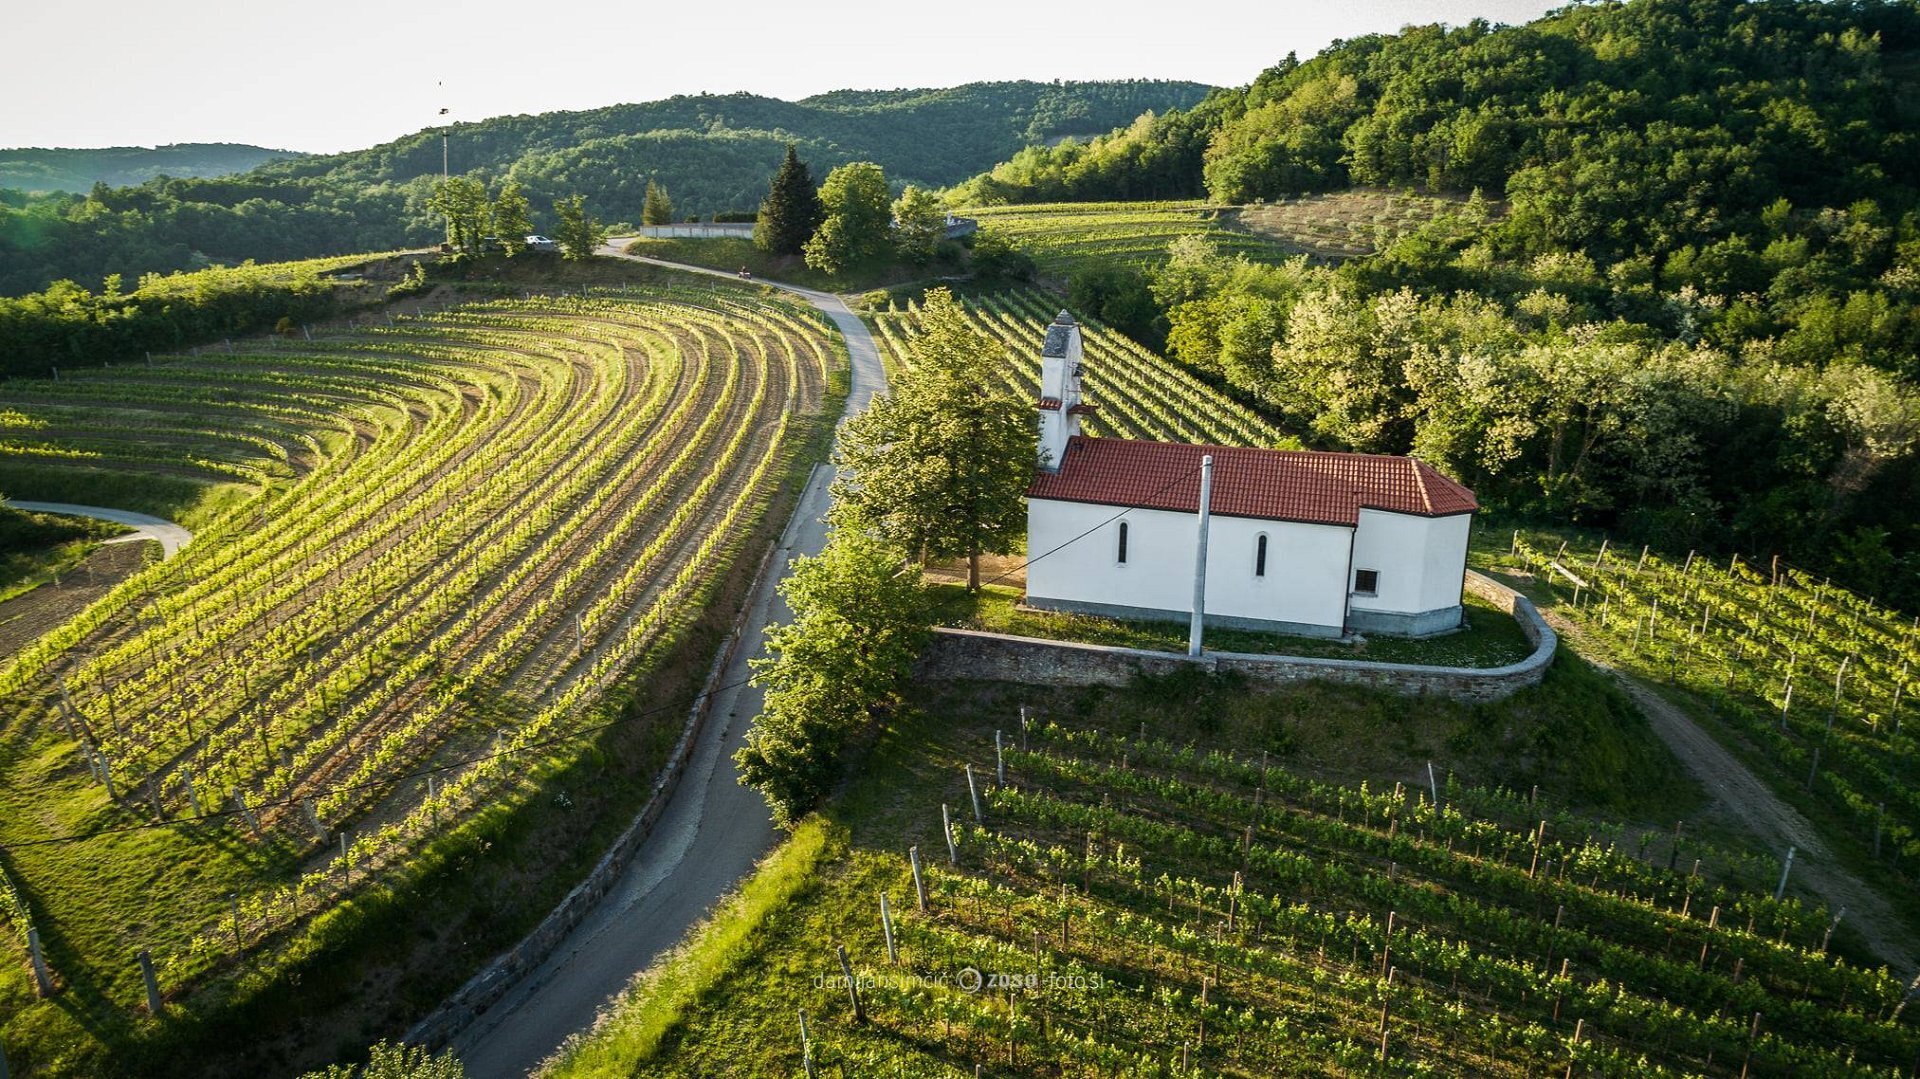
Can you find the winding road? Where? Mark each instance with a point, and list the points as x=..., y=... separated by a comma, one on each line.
x=713, y=829
x=170, y=536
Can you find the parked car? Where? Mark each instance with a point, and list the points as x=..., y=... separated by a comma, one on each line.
x=541, y=243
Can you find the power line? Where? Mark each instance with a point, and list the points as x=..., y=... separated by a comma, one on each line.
x=1021, y=568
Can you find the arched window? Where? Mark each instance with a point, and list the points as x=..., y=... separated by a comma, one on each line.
x=1260, y=555
x=1123, y=543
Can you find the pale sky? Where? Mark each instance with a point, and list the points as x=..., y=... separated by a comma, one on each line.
x=345, y=74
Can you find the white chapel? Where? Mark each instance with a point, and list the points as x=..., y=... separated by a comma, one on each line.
x=1302, y=542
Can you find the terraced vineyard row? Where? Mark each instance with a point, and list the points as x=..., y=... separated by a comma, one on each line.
x=1820, y=680
x=1140, y=395
x=1155, y=910
x=472, y=525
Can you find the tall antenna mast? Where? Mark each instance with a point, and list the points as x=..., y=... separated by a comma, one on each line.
x=444, y=111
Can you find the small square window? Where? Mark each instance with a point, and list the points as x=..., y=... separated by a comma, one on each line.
x=1366, y=582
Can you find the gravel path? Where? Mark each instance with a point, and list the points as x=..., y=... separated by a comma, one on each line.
x=713, y=830
x=1749, y=801
x=171, y=536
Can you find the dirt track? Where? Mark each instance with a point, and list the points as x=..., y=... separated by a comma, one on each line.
x=1749, y=801
x=24, y=618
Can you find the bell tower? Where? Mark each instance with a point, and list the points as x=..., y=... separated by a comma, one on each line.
x=1060, y=404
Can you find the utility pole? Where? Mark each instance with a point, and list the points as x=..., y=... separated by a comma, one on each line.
x=1194, y=628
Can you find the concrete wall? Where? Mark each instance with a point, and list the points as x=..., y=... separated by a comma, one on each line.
x=958, y=653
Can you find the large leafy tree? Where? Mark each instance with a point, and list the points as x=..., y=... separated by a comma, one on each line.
x=657, y=209
x=857, y=228
x=512, y=217
x=791, y=211
x=941, y=467
x=859, y=621
x=462, y=201
x=577, y=233
x=919, y=224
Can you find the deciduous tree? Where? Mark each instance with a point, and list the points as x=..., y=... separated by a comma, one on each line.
x=919, y=224
x=462, y=200
x=512, y=217
x=858, y=222
x=941, y=467
x=577, y=233
x=859, y=621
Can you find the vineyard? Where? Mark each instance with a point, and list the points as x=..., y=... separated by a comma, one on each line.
x=473, y=529
x=1329, y=227
x=1063, y=235
x=1341, y=225
x=1145, y=903
x=1817, y=681
x=1140, y=395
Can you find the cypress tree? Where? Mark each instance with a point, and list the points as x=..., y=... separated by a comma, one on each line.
x=657, y=209
x=791, y=211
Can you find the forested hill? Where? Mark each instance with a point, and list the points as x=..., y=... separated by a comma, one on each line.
x=35, y=169
x=1746, y=101
x=712, y=152
x=1686, y=308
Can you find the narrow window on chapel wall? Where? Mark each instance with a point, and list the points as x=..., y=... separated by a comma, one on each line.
x=1123, y=543
x=1260, y=555
x=1366, y=582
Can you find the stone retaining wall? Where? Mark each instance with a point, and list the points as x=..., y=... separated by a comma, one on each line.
x=960, y=653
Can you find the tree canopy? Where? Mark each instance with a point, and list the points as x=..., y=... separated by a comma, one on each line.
x=941, y=466
x=859, y=622
x=577, y=233
x=857, y=229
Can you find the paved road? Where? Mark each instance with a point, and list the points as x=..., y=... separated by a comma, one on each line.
x=709, y=837
x=170, y=536
x=1753, y=804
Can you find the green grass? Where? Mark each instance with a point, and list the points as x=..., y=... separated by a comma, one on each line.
x=1492, y=639
x=662, y=1000
x=38, y=548
x=188, y=502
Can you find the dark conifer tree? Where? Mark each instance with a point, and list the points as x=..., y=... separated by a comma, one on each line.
x=791, y=211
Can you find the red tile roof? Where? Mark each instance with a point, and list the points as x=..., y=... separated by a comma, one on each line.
x=1047, y=404
x=1273, y=485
